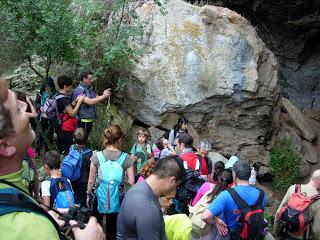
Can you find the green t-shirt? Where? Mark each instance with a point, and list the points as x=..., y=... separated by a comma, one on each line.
x=23, y=225
x=141, y=155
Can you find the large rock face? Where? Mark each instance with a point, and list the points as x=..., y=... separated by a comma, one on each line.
x=209, y=64
x=291, y=29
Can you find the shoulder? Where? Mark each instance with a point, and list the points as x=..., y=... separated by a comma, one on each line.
x=22, y=224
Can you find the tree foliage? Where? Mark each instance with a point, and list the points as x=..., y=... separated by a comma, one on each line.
x=92, y=35
x=41, y=28
x=284, y=161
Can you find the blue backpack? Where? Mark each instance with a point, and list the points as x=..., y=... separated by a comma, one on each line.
x=61, y=193
x=108, y=192
x=72, y=163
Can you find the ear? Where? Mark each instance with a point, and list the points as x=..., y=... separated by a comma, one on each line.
x=6, y=149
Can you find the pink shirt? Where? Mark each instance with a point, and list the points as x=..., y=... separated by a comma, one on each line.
x=140, y=179
x=202, y=190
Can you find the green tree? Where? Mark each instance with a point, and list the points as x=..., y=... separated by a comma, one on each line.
x=42, y=28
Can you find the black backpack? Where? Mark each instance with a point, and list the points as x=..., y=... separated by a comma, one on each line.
x=251, y=223
x=189, y=186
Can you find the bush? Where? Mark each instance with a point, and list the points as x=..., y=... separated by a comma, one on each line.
x=284, y=162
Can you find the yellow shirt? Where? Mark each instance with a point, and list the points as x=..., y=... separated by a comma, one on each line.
x=23, y=225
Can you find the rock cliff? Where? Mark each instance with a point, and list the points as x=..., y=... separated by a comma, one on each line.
x=291, y=30
x=209, y=64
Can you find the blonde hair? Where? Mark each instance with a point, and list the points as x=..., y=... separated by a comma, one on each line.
x=146, y=170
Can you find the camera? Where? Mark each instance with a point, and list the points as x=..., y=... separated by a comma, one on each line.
x=79, y=214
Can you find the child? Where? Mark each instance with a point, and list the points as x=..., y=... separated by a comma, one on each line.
x=180, y=127
x=142, y=150
x=55, y=191
x=163, y=149
x=80, y=137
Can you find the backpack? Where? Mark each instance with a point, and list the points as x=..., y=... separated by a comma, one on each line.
x=189, y=186
x=251, y=223
x=61, y=193
x=108, y=192
x=71, y=167
x=199, y=227
x=50, y=108
x=295, y=214
x=14, y=199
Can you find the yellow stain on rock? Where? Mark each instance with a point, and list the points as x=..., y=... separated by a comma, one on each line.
x=178, y=41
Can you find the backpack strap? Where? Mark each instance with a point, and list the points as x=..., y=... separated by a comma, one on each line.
x=122, y=158
x=200, y=162
x=236, y=197
x=18, y=200
x=101, y=158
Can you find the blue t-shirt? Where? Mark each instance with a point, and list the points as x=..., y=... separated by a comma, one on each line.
x=224, y=204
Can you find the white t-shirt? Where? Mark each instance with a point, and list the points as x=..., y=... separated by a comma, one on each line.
x=45, y=188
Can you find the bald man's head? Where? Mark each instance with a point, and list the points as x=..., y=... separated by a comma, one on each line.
x=316, y=176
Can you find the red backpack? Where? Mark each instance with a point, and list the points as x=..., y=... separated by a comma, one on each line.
x=295, y=214
x=251, y=223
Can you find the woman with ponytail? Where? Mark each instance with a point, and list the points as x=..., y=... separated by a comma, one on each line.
x=200, y=229
x=103, y=164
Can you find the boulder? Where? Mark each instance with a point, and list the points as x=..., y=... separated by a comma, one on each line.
x=291, y=30
x=298, y=120
x=216, y=157
x=209, y=64
x=309, y=152
x=304, y=170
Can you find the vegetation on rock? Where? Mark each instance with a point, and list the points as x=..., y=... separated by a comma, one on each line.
x=284, y=162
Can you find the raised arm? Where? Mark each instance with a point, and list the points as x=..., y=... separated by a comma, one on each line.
x=97, y=99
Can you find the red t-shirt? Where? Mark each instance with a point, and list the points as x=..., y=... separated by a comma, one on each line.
x=193, y=163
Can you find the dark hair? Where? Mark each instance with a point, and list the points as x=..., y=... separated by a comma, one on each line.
x=242, y=170
x=23, y=97
x=85, y=75
x=177, y=127
x=113, y=135
x=169, y=166
x=218, y=168
x=225, y=179
x=160, y=143
x=52, y=159
x=80, y=136
x=64, y=81
x=186, y=139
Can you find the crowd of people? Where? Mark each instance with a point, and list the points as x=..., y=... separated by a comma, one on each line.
x=163, y=190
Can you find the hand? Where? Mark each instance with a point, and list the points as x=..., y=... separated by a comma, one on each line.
x=107, y=93
x=80, y=98
x=222, y=227
x=134, y=158
x=56, y=217
x=92, y=231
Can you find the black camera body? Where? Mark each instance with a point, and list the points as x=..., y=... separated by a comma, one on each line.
x=78, y=214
